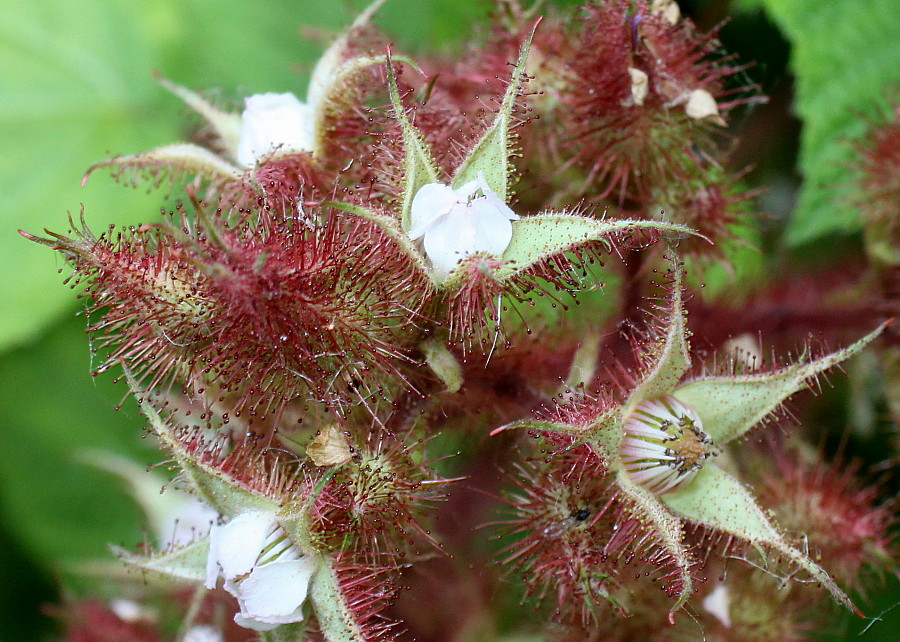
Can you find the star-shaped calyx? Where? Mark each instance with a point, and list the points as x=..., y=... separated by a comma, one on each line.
x=458, y=229
x=660, y=445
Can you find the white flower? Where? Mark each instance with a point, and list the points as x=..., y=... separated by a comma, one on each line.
x=456, y=223
x=273, y=122
x=262, y=568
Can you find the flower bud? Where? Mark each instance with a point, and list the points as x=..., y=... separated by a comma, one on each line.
x=274, y=122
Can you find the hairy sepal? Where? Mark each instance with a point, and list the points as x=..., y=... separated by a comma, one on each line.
x=343, y=83
x=717, y=500
x=335, y=617
x=183, y=563
x=490, y=155
x=213, y=486
x=672, y=360
x=331, y=61
x=225, y=125
x=731, y=406
x=418, y=165
x=176, y=158
x=536, y=239
x=667, y=531
x=391, y=228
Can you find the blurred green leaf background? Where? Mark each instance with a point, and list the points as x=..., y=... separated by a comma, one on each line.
x=76, y=87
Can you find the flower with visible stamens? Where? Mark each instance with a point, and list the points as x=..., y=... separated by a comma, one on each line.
x=457, y=222
x=658, y=445
x=262, y=568
x=664, y=445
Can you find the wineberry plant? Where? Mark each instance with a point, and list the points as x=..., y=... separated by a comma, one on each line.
x=428, y=350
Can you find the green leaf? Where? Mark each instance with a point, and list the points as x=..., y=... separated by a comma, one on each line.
x=844, y=55
x=730, y=406
x=673, y=359
x=490, y=155
x=51, y=409
x=418, y=166
x=537, y=238
x=443, y=364
x=717, y=500
x=182, y=563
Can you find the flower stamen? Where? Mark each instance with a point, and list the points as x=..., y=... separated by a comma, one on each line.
x=665, y=444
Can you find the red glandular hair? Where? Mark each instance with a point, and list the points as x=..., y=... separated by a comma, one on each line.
x=579, y=539
x=845, y=526
x=375, y=503
x=629, y=148
x=365, y=591
x=256, y=308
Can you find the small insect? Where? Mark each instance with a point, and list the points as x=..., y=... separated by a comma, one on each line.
x=562, y=526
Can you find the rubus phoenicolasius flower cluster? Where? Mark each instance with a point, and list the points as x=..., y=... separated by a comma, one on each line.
x=378, y=315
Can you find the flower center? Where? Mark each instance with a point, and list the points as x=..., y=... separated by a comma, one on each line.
x=664, y=444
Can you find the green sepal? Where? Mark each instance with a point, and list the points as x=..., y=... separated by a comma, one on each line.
x=717, y=500
x=226, y=125
x=673, y=359
x=218, y=489
x=606, y=436
x=176, y=158
x=389, y=226
x=537, y=238
x=542, y=426
x=667, y=530
x=294, y=632
x=490, y=155
x=730, y=406
x=418, y=166
x=443, y=364
x=184, y=563
x=332, y=611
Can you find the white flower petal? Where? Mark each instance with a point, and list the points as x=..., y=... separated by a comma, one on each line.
x=275, y=592
x=449, y=239
x=274, y=122
x=640, y=85
x=701, y=104
x=254, y=625
x=431, y=202
x=492, y=225
x=495, y=200
x=236, y=545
